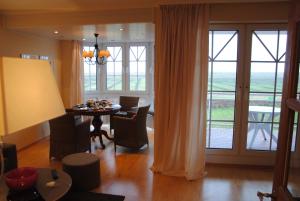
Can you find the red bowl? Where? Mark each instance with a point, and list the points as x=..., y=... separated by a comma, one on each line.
x=21, y=178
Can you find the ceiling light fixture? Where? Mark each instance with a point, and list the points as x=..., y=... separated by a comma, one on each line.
x=56, y=32
x=83, y=39
x=96, y=56
x=121, y=29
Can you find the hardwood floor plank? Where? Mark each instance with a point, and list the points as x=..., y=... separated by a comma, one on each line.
x=128, y=173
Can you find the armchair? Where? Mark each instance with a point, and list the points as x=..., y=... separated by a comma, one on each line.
x=127, y=105
x=131, y=132
x=68, y=135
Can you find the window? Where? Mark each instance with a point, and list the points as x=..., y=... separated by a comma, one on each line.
x=114, y=69
x=137, y=68
x=90, y=73
x=128, y=71
x=266, y=75
x=221, y=88
x=243, y=112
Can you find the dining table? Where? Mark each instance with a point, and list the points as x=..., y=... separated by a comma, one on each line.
x=97, y=121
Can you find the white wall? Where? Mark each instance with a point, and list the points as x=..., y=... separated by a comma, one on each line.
x=12, y=45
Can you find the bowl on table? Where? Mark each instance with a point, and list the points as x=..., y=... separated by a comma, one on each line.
x=21, y=178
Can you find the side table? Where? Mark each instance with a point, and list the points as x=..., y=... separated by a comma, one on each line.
x=63, y=184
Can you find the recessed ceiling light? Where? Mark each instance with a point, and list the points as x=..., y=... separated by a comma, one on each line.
x=56, y=32
x=121, y=29
x=83, y=39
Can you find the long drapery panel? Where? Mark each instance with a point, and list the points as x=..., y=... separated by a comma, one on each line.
x=181, y=71
x=72, y=73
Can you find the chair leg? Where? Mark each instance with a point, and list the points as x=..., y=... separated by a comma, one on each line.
x=115, y=147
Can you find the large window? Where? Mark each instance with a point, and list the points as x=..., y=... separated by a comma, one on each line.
x=90, y=73
x=221, y=88
x=245, y=78
x=137, y=69
x=127, y=71
x=266, y=75
x=114, y=69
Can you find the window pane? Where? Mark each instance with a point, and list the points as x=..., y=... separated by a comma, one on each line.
x=230, y=50
x=267, y=69
x=282, y=44
x=224, y=76
x=114, y=69
x=280, y=71
x=262, y=77
x=210, y=44
x=220, y=39
x=221, y=135
x=269, y=39
x=259, y=136
x=221, y=88
x=110, y=68
x=142, y=83
x=90, y=72
x=142, y=53
x=258, y=51
x=223, y=106
x=137, y=68
x=261, y=99
x=133, y=53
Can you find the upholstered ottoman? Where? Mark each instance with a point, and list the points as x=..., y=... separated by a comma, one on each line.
x=84, y=169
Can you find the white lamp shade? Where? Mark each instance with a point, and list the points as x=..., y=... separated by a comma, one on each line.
x=29, y=94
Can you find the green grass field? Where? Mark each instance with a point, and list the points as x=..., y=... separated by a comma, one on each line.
x=222, y=102
x=259, y=82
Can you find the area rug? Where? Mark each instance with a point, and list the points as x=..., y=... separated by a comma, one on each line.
x=90, y=196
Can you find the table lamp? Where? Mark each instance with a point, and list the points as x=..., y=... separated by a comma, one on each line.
x=28, y=96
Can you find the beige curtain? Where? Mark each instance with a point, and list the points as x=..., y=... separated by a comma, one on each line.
x=72, y=73
x=181, y=70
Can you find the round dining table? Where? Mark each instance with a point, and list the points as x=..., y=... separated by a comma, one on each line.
x=97, y=121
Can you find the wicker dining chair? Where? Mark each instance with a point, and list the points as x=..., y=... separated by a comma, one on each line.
x=132, y=132
x=68, y=135
x=128, y=104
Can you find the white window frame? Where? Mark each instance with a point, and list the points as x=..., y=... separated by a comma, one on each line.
x=102, y=92
x=240, y=154
x=97, y=77
x=148, y=59
x=104, y=68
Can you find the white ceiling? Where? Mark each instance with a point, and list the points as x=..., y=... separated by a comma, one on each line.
x=84, y=5
x=72, y=5
x=134, y=32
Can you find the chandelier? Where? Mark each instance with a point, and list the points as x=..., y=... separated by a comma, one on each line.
x=96, y=56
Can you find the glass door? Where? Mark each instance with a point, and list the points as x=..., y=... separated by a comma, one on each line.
x=221, y=97
x=268, y=49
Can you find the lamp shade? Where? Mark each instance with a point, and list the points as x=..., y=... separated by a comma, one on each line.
x=28, y=94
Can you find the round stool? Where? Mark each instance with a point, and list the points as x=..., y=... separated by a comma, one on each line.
x=84, y=169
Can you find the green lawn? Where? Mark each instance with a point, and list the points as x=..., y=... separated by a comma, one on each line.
x=259, y=82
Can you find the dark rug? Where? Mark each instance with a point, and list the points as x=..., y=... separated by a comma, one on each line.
x=90, y=196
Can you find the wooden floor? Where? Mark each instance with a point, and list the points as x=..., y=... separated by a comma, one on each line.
x=128, y=173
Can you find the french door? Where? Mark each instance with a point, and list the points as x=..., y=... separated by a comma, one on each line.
x=266, y=67
x=246, y=68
